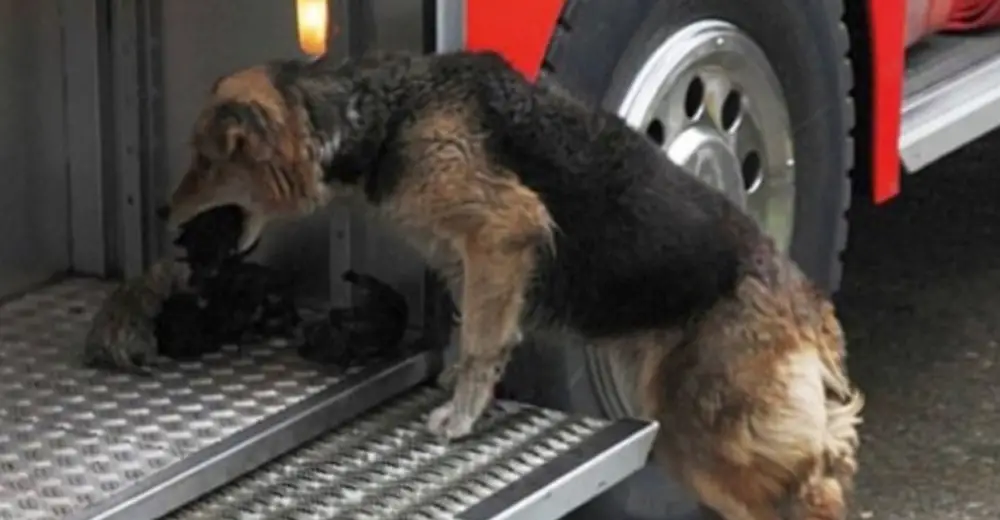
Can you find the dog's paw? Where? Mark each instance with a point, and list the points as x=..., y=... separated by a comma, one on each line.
x=447, y=422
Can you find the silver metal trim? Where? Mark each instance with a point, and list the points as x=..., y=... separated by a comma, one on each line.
x=573, y=478
x=949, y=114
x=84, y=130
x=128, y=127
x=339, y=216
x=223, y=462
x=155, y=183
x=449, y=25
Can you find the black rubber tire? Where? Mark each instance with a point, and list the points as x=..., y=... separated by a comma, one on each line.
x=595, y=52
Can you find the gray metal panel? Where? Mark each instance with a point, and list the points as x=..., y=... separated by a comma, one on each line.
x=398, y=24
x=33, y=185
x=951, y=97
x=83, y=443
x=129, y=202
x=942, y=57
x=450, y=25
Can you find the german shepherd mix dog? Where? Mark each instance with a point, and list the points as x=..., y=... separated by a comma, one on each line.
x=542, y=214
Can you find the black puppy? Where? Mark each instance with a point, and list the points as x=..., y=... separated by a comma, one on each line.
x=234, y=301
x=353, y=335
x=192, y=306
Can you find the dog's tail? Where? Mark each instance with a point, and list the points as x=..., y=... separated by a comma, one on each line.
x=806, y=444
x=773, y=433
x=822, y=495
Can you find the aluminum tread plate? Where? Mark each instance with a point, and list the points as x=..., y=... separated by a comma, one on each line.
x=522, y=462
x=79, y=442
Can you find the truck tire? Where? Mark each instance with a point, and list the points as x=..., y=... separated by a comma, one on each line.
x=787, y=63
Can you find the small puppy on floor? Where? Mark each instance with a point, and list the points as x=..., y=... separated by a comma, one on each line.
x=542, y=214
x=123, y=331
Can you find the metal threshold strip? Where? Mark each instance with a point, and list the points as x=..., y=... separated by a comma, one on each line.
x=85, y=444
x=524, y=463
x=952, y=97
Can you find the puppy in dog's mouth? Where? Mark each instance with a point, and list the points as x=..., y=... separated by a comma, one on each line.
x=226, y=230
x=212, y=238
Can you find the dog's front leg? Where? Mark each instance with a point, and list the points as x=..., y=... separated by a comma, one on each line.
x=493, y=292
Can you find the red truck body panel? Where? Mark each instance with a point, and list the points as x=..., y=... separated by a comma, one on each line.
x=887, y=26
x=518, y=29
x=521, y=30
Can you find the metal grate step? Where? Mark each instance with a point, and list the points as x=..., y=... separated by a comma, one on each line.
x=82, y=443
x=524, y=463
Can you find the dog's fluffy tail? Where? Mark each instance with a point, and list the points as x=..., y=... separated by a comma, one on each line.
x=758, y=414
x=822, y=495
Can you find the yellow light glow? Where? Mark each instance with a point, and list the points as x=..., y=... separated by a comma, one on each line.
x=312, y=23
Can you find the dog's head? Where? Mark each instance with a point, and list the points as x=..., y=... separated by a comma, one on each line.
x=253, y=146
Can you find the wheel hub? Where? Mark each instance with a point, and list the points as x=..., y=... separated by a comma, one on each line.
x=709, y=98
x=708, y=156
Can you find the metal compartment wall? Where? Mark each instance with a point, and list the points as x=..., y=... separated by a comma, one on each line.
x=34, y=183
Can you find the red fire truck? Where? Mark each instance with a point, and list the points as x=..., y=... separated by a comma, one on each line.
x=779, y=103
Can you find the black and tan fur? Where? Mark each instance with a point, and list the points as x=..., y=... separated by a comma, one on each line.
x=542, y=214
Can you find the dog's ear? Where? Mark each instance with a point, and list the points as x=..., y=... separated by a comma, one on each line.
x=235, y=130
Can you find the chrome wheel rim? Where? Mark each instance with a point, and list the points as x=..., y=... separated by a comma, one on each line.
x=710, y=99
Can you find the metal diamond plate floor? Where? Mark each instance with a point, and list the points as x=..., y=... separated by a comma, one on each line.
x=83, y=443
x=524, y=463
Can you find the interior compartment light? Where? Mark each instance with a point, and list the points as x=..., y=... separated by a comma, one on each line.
x=312, y=25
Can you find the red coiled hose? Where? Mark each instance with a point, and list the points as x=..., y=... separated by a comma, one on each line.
x=973, y=14
x=925, y=17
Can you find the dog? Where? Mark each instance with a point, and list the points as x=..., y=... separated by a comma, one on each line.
x=542, y=214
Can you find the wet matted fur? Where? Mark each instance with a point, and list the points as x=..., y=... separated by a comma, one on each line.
x=543, y=214
x=123, y=330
